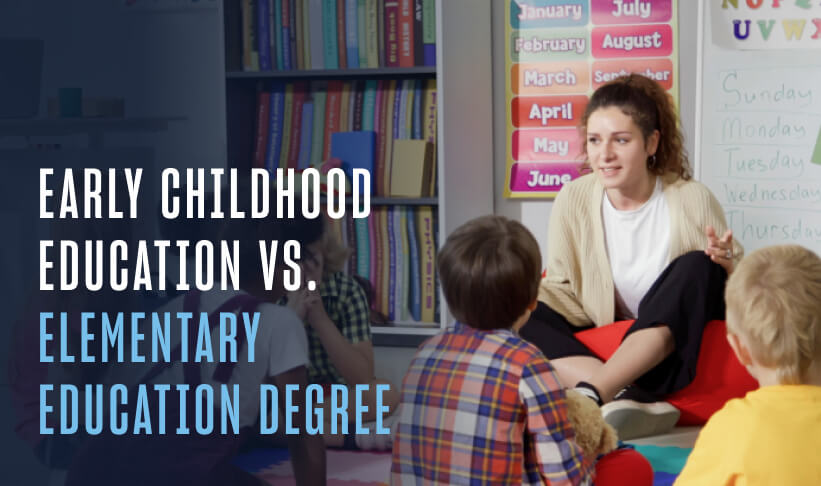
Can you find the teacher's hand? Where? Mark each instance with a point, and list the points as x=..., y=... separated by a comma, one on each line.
x=720, y=250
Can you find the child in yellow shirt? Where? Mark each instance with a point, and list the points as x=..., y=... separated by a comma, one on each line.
x=773, y=435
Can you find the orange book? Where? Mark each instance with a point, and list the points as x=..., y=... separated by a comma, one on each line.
x=406, y=51
x=340, y=34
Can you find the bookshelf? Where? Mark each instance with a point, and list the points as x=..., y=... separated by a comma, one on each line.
x=464, y=143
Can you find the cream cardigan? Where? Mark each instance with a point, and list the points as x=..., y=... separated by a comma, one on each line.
x=579, y=282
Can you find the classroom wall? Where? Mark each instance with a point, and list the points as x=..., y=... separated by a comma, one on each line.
x=535, y=213
x=162, y=64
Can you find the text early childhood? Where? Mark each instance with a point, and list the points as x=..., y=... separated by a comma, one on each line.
x=132, y=338
x=215, y=264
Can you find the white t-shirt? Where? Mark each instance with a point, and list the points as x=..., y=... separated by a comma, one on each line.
x=638, y=246
x=280, y=345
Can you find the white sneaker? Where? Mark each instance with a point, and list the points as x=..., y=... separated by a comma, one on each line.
x=374, y=441
x=634, y=413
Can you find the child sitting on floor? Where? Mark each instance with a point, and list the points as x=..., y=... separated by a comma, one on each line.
x=337, y=318
x=771, y=436
x=479, y=404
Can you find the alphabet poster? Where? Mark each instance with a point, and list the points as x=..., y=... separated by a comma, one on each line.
x=557, y=53
x=766, y=24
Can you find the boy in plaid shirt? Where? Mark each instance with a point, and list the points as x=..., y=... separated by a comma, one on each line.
x=479, y=404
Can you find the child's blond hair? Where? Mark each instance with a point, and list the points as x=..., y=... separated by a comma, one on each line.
x=334, y=252
x=774, y=301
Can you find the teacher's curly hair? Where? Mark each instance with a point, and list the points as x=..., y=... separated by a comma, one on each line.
x=651, y=108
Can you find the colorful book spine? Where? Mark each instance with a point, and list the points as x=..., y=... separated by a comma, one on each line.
x=369, y=104
x=278, y=39
x=362, y=32
x=392, y=33
x=375, y=246
x=285, y=48
x=287, y=116
x=391, y=257
x=306, y=35
x=404, y=253
x=406, y=33
x=296, y=124
x=275, y=127
x=329, y=34
x=415, y=282
x=341, y=49
x=332, y=106
x=263, y=115
x=300, y=35
x=408, y=96
x=400, y=127
x=358, y=100
x=372, y=42
x=263, y=35
x=380, y=31
x=272, y=34
x=429, y=32
x=396, y=261
x=385, y=259
x=292, y=33
x=379, y=128
x=317, y=39
x=344, y=108
x=427, y=259
x=318, y=137
x=418, y=33
x=429, y=127
x=436, y=292
x=250, y=51
x=391, y=119
x=352, y=33
x=363, y=252
x=418, y=94
x=307, y=132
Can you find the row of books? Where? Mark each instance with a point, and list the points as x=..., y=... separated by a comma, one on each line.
x=295, y=122
x=337, y=34
x=395, y=249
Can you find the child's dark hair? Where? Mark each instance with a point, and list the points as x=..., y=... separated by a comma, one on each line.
x=651, y=108
x=490, y=269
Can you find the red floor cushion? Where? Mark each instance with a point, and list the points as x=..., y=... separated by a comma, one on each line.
x=719, y=375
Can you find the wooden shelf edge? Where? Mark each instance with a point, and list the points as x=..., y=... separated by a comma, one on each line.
x=407, y=329
x=332, y=73
x=399, y=340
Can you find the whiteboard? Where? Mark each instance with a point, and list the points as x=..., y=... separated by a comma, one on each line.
x=758, y=120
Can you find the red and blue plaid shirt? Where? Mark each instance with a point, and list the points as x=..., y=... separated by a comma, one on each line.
x=484, y=407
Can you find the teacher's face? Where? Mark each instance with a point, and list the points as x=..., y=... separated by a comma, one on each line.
x=618, y=151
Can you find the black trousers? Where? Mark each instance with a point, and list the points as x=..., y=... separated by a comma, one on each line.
x=688, y=294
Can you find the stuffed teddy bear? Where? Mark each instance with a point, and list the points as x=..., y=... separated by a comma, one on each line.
x=593, y=434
